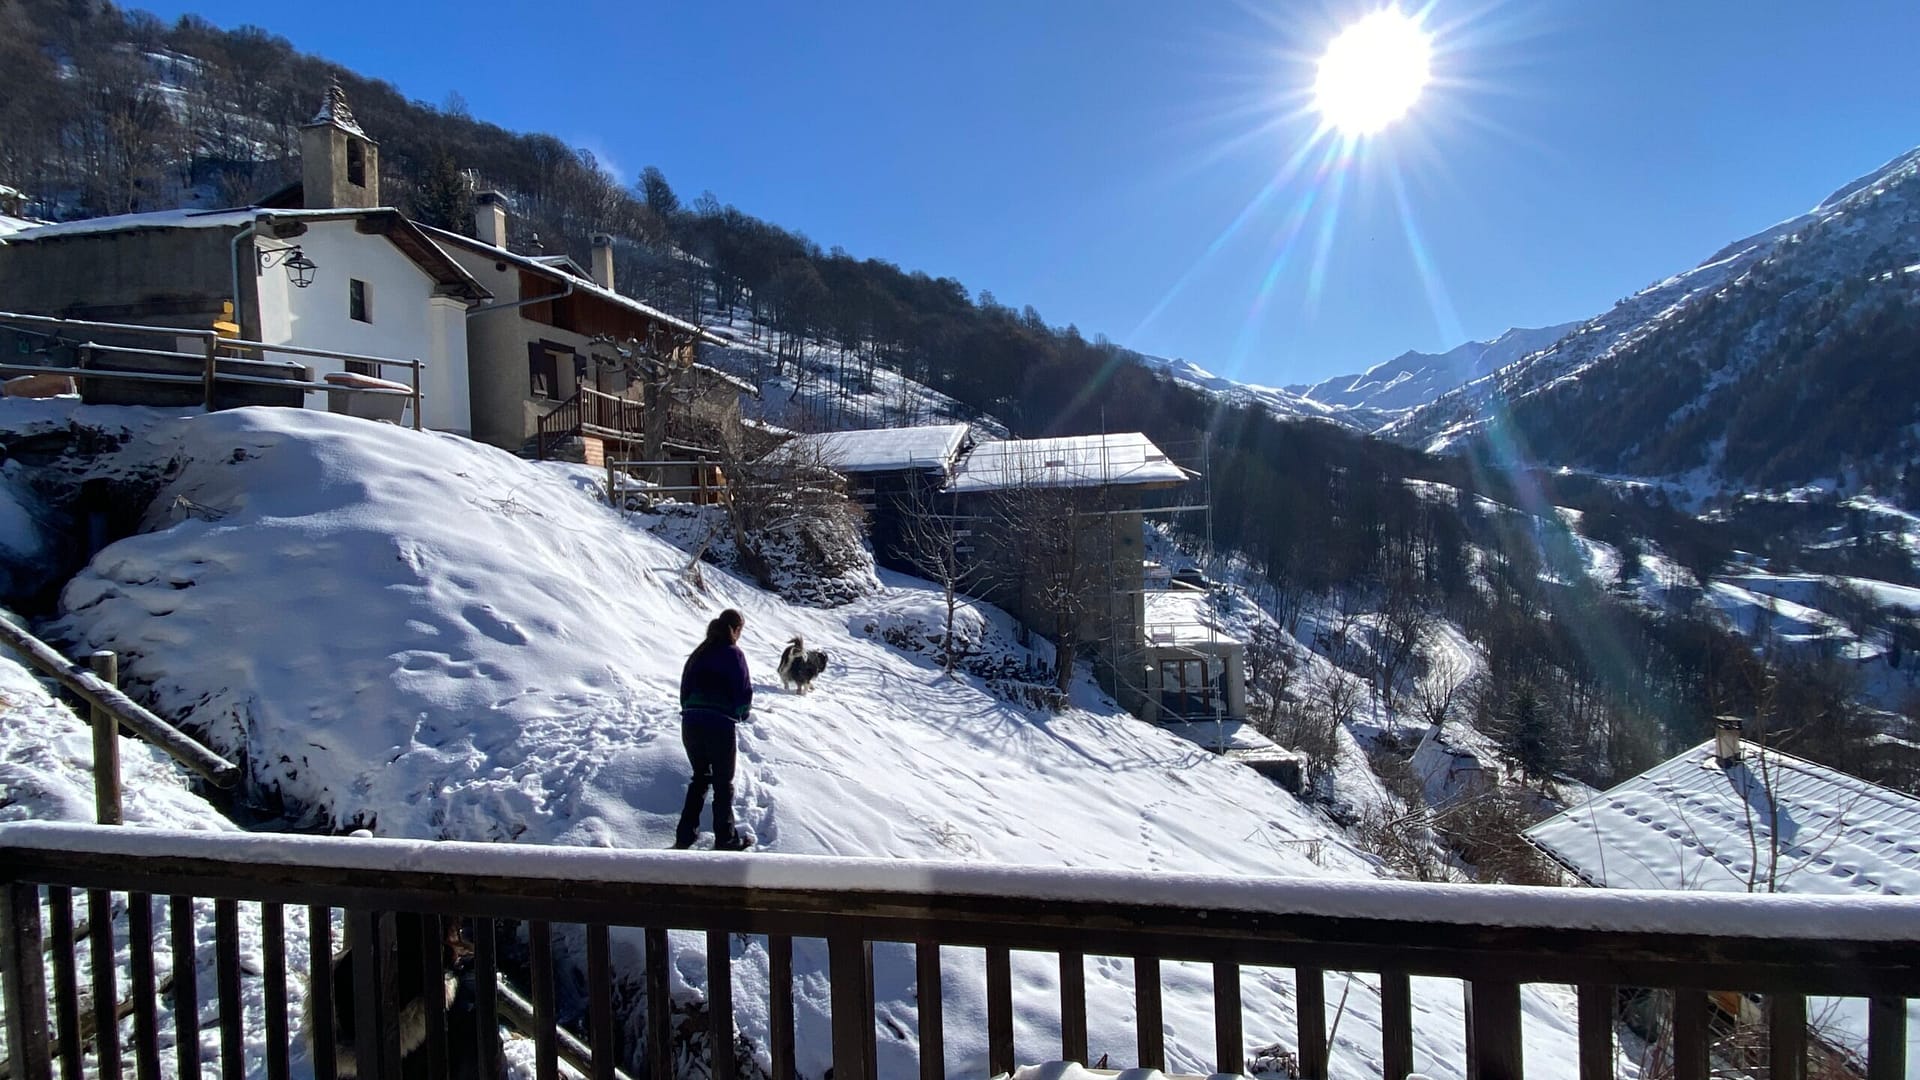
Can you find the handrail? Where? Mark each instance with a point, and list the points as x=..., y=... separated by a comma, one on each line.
x=210, y=360
x=105, y=696
x=1494, y=938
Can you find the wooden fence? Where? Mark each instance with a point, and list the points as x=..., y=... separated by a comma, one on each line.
x=1494, y=939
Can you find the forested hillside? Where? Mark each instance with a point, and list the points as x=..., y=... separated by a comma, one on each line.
x=108, y=111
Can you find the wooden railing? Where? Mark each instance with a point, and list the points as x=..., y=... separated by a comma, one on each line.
x=1495, y=939
x=591, y=412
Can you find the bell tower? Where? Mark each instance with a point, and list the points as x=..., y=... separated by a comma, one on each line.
x=339, y=165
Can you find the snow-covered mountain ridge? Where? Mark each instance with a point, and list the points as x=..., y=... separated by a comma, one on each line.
x=1414, y=378
x=1649, y=387
x=1280, y=402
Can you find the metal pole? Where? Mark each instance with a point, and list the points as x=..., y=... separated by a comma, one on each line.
x=106, y=745
x=213, y=350
x=415, y=366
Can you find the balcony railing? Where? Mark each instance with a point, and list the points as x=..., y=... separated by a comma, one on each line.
x=1495, y=939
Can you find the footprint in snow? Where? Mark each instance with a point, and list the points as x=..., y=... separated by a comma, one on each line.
x=484, y=620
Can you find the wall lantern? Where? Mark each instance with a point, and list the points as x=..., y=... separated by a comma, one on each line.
x=299, y=268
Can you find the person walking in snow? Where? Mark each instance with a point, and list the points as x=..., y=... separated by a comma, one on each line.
x=715, y=694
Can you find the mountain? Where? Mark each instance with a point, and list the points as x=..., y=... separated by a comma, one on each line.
x=1785, y=359
x=1283, y=403
x=1414, y=378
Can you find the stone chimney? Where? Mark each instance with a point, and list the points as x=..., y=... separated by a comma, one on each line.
x=490, y=219
x=603, y=260
x=339, y=165
x=1726, y=740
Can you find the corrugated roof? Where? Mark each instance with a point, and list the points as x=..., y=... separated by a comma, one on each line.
x=1121, y=459
x=1692, y=824
x=929, y=447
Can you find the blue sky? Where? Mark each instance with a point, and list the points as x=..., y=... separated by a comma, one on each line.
x=1105, y=160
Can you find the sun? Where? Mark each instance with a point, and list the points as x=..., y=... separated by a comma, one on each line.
x=1373, y=72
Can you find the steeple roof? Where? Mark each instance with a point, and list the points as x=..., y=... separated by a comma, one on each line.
x=335, y=111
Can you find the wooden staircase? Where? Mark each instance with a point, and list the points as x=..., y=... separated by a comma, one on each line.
x=590, y=413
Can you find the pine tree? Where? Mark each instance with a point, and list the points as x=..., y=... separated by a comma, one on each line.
x=443, y=198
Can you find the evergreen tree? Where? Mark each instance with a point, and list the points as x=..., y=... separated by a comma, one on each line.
x=443, y=198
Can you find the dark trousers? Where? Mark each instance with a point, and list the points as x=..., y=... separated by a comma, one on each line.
x=710, y=749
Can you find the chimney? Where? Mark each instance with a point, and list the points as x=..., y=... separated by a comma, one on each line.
x=490, y=219
x=1726, y=740
x=603, y=260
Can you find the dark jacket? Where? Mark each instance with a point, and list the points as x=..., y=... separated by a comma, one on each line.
x=714, y=686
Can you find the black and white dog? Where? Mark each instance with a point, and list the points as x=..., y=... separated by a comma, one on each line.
x=799, y=665
x=414, y=981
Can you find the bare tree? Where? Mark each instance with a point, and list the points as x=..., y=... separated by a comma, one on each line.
x=1437, y=696
x=935, y=541
x=1053, y=557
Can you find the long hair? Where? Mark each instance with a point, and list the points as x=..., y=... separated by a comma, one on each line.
x=720, y=629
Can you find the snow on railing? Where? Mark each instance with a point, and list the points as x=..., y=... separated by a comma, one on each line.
x=1493, y=938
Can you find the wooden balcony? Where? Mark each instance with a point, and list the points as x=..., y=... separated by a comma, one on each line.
x=1494, y=939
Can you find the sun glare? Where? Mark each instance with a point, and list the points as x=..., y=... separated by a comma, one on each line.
x=1373, y=72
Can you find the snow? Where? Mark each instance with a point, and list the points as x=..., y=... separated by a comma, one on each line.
x=929, y=447
x=160, y=219
x=486, y=652
x=1800, y=917
x=1182, y=617
x=1691, y=824
x=1069, y=461
x=10, y=226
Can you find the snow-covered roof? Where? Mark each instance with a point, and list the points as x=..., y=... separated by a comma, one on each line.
x=1124, y=458
x=1180, y=616
x=334, y=110
x=1694, y=824
x=930, y=447
x=716, y=375
x=565, y=269
x=153, y=219
x=396, y=227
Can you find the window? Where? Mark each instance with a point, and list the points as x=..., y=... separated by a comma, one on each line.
x=356, y=162
x=363, y=367
x=358, y=307
x=543, y=372
x=1185, y=690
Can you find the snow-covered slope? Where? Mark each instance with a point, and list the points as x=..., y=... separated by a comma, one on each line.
x=415, y=632
x=1413, y=378
x=1285, y=403
x=1688, y=337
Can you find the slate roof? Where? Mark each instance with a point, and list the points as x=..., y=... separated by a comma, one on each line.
x=1693, y=824
x=1121, y=459
x=929, y=448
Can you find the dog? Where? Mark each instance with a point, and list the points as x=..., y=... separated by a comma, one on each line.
x=799, y=665
x=413, y=982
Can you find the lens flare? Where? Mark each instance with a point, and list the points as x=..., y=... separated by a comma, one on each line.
x=1373, y=72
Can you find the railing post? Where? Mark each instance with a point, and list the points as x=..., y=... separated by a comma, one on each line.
x=416, y=395
x=106, y=745
x=849, y=964
x=212, y=372
x=1493, y=1030
x=25, y=981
